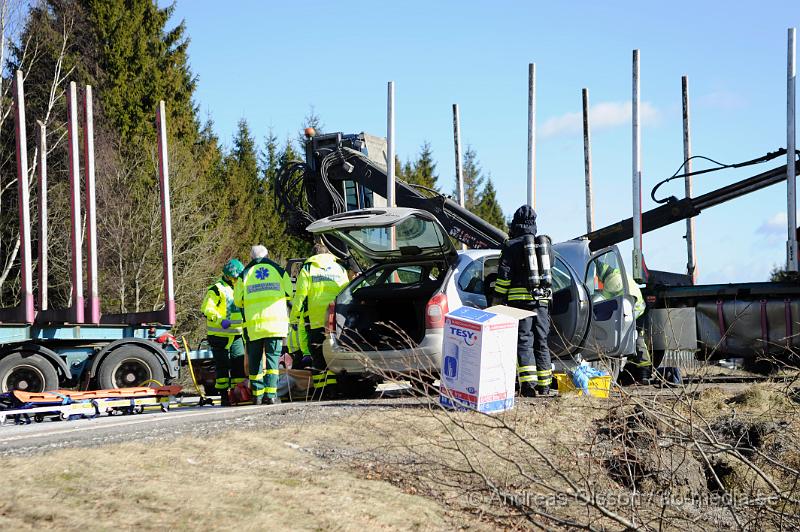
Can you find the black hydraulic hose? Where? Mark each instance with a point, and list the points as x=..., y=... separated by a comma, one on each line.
x=720, y=166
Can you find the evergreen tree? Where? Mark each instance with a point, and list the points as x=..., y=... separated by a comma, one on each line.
x=312, y=119
x=473, y=179
x=422, y=171
x=243, y=183
x=489, y=208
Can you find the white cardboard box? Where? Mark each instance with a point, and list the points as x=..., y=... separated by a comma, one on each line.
x=479, y=358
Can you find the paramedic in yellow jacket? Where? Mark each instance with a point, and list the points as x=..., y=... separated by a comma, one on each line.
x=319, y=282
x=262, y=293
x=224, y=328
x=640, y=364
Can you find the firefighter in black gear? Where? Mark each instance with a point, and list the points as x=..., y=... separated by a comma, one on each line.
x=513, y=287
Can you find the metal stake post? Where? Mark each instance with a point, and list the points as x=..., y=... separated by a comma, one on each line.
x=638, y=260
x=23, y=194
x=166, y=217
x=691, y=263
x=532, y=134
x=42, y=216
x=91, y=217
x=75, y=206
x=587, y=162
x=791, y=208
x=390, y=151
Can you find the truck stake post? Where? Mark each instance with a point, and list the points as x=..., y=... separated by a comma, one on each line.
x=587, y=162
x=27, y=312
x=638, y=259
x=42, y=216
x=532, y=134
x=791, y=209
x=91, y=216
x=75, y=206
x=691, y=263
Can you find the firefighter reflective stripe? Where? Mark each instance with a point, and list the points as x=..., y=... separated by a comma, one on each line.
x=526, y=373
x=501, y=286
x=544, y=377
x=237, y=380
x=222, y=383
x=519, y=294
x=257, y=391
x=271, y=372
x=257, y=376
x=270, y=390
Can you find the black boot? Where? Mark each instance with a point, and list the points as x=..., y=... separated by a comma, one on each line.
x=526, y=390
x=272, y=401
x=224, y=398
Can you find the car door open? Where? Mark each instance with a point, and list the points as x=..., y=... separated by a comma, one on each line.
x=611, y=331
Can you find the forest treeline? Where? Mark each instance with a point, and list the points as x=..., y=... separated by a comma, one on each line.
x=133, y=55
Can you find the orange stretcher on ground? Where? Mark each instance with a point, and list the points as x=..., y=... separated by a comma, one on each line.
x=59, y=396
x=69, y=404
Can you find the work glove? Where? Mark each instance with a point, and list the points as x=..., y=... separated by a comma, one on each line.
x=226, y=324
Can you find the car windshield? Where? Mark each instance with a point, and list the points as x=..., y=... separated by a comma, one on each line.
x=412, y=234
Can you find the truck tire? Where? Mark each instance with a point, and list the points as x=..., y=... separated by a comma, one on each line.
x=129, y=366
x=27, y=372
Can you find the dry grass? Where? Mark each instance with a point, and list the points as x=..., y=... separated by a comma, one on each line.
x=242, y=480
x=571, y=462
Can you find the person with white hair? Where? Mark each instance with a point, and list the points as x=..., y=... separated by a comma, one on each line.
x=262, y=294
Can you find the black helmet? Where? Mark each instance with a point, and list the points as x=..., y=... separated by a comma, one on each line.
x=523, y=222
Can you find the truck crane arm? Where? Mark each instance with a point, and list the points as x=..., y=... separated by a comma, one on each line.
x=675, y=210
x=316, y=188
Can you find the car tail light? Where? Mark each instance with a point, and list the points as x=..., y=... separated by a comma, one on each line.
x=435, y=311
x=330, y=324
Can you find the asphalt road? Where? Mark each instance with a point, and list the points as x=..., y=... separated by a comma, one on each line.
x=154, y=425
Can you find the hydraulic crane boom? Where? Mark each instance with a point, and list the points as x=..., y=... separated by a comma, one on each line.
x=339, y=174
x=676, y=210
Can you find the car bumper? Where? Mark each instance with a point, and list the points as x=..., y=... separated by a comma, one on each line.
x=425, y=357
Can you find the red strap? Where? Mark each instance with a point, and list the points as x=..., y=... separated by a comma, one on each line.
x=721, y=323
x=764, y=327
x=787, y=312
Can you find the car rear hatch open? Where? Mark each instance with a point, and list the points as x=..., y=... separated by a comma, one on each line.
x=389, y=235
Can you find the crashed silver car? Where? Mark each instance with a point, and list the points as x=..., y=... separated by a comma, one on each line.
x=390, y=318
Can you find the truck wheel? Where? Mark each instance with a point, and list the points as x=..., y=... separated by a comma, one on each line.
x=129, y=366
x=27, y=372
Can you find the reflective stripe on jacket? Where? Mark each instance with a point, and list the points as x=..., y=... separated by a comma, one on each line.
x=262, y=293
x=512, y=277
x=319, y=282
x=611, y=276
x=218, y=305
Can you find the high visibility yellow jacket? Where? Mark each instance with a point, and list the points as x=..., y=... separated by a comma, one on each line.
x=319, y=282
x=262, y=293
x=613, y=287
x=218, y=305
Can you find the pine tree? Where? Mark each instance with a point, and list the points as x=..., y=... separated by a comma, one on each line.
x=473, y=179
x=422, y=171
x=242, y=179
x=489, y=208
x=313, y=120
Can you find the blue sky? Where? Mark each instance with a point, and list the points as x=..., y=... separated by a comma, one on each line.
x=269, y=61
